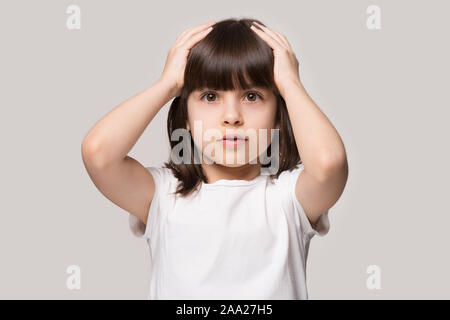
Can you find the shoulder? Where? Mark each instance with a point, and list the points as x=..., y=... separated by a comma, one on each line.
x=284, y=184
x=289, y=177
x=161, y=200
x=161, y=174
x=164, y=179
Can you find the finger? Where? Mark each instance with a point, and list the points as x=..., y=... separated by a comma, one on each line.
x=193, y=29
x=182, y=37
x=271, y=33
x=190, y=42
x=285, y=40
x=196, y=27
x=274, y=44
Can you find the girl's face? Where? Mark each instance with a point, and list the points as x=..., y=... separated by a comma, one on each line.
x=213, y=114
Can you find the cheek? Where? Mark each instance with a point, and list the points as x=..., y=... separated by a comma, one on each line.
x=200, y=113
x=262, y=121
x=263, y=118
x=201, y=120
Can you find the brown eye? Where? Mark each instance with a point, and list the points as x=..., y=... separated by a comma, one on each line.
x=209, y=95
x=253, y=96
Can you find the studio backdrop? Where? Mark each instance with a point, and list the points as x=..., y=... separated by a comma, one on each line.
x=378, y=69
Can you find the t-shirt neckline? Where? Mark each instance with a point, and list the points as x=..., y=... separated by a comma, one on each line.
x=234, y=182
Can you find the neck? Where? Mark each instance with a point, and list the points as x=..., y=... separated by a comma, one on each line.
x=216, y=172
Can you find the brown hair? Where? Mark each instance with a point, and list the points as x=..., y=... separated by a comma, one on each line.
x=230, y=57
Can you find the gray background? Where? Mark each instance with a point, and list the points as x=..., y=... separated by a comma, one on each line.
x=385, y=91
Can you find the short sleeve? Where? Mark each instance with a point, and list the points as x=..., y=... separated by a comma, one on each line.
x=322, y=225
x=138, y=228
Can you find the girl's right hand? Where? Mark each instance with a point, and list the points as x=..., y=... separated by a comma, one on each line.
x=173, y=72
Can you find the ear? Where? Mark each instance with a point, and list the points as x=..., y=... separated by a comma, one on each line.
x=187, y=126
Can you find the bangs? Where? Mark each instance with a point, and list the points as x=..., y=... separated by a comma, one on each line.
x=230, y=57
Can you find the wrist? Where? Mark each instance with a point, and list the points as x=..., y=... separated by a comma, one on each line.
x=168, y=87
x=289, y=85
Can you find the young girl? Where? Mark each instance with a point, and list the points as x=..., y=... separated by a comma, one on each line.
x=220, y=229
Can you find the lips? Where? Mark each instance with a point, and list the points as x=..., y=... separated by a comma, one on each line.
x=234, y=137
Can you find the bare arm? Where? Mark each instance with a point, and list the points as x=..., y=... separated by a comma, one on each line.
x=120, y=178
x=113, y=136
x=319, y=144
x=322, y=151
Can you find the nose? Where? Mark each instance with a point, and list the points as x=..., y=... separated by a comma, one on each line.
x=232, y=115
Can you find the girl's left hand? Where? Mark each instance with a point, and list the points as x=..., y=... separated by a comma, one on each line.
x=286, y=64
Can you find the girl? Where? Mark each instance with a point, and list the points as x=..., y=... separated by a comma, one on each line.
x=218, y=229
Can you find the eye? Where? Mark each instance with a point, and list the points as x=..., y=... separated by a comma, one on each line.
x=208, y=95
x=252, y=94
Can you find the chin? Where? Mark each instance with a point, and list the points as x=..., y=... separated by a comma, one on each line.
x=231, y=165
x=234, y=162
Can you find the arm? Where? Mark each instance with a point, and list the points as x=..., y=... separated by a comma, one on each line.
x=113, y=136
x=120, y=178
x=325, y=172
x=322, y=151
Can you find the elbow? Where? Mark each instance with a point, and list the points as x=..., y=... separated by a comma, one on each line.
x=332, y=164
x=90, y=152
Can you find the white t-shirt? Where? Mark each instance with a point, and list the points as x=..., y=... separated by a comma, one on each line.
x=234, y=239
